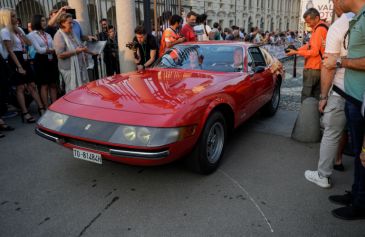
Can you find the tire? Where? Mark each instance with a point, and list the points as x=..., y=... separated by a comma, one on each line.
x=272, y=106
x=209, y=149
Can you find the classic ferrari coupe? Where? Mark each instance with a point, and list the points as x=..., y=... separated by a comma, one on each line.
x=184, y=106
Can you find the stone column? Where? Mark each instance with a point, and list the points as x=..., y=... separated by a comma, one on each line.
x=126, y=22
x=82, y=14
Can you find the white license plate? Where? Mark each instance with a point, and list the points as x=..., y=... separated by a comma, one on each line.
x=87, y=155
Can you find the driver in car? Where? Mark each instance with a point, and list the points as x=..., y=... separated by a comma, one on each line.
x=195, y=60
x=237, y=60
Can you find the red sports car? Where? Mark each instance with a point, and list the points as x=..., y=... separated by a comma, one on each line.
x=184, y=106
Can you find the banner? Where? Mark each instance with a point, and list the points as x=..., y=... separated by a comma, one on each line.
x=325, y=8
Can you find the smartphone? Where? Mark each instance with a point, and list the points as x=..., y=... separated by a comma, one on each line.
x=72, y=12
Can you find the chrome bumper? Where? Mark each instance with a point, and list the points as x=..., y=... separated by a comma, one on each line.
x=112, y=151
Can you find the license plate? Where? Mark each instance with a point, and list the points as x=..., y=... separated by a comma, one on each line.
x=87, y=155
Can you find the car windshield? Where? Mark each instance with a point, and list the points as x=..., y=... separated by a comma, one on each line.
x=218, y=58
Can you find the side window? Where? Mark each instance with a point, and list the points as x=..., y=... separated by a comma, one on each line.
x=268, y=58
x=257, y=57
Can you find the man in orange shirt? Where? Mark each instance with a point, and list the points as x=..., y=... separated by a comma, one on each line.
x=171, y=36
x=312, y=52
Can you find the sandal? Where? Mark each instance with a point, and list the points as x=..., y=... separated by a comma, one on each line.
x=28, y=120
x=41, y=111
x=5, y=127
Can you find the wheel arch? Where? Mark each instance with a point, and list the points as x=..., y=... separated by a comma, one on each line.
x=227, y=113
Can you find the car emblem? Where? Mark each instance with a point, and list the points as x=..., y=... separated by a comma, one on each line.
x=87, y=127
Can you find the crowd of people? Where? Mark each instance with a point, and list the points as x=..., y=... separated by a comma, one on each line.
x=33, y=60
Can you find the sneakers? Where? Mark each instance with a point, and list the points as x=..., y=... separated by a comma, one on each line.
x=349, y=213
x=345, y=199
x=314, y=177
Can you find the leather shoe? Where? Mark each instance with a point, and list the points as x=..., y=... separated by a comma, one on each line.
x=339, y=167
x=349, y=213
x=5, y=127
x=345, y=199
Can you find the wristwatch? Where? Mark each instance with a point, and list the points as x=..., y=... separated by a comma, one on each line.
x=321, y=97
x=339, y=63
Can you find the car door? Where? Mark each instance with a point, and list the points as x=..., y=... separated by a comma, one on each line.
x=261, y=76
x=270, y=81
x=244, y=90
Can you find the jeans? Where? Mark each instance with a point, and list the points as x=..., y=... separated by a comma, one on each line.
x=334, y=122
x=356, y=126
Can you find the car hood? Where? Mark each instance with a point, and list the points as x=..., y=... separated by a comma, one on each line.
x=154, y=91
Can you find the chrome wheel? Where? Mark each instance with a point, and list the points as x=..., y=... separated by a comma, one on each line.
x=209, y=149
x=215, y=141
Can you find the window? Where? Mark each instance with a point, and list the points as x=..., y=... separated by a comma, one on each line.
x=219, y=58
x=268, y=58
x=257, y=57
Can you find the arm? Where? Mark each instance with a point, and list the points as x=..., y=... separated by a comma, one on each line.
x=327, y=76
x=354, y=63
x=362, y=154
x=8, y=46
x=137, y=60
x=178, y=41
x=61, y=48
x=22, y=35
x=315, y=43
x=53, y=21
x=152, y=58
x=38, y=48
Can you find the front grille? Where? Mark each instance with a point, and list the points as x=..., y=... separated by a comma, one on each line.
x=89, y=145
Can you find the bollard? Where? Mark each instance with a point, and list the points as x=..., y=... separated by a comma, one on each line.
x=295, y=66
x=307, y=126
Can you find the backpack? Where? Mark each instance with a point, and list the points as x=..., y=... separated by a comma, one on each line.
x=321, y=50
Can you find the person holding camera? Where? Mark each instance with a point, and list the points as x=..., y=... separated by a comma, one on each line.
x=312, y=52
x=146, y=48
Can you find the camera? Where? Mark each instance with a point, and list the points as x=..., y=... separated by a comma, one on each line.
x=290, y=47
x=72, y=12
x=132, y=45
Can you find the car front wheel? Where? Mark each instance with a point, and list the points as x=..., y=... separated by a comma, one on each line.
x=210, y=146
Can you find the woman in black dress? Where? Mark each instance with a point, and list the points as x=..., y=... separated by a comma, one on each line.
x=45, y=63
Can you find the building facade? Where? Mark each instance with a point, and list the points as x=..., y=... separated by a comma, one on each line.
x=268, y=15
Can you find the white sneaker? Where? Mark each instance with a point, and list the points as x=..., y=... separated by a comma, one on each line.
x=314, y=177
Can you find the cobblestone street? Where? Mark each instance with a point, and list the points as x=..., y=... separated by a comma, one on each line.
x=292, y=86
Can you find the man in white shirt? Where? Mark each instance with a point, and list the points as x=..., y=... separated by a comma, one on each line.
x=331, y=104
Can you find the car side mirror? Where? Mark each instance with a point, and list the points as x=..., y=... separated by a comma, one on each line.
x=259, y=69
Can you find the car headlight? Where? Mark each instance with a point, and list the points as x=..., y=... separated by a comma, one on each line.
x=150, y=137
x=52, y=120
